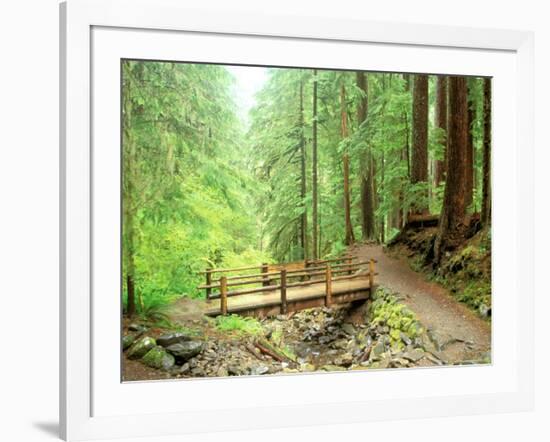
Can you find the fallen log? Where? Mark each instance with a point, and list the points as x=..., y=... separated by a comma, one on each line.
x=252, y=349
x=423, y=221
x=268, y=349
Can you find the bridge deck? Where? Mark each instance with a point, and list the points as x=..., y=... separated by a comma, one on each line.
x=297, y=298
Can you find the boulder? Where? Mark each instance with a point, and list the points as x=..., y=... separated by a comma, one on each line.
x=405, y=338
x=348, y=328
x=378, y=349
x=137, y=328
x=344, y=360
x=141, y=347
x=414, y=355
x=235, y=370
x=159, y=358
x=127, y=341
x=186, y=350
x=172, y=338
x=259, y=370
x=484, y=310
x=222, y=372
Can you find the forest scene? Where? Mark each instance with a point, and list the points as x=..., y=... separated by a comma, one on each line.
x=294, y=220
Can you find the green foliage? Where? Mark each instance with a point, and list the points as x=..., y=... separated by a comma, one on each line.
x=239, y=324
x=476, y=293
x=188, y=193
x=200, y=189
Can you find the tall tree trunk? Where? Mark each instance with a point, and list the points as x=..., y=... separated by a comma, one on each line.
x=382, y=220
x=303, y=186
x=314, y=196
x=441, y=123
x=469, y=189
x=419, y=167
x=486, y=200
x=454, y=202
x=367, y=188
x=129, y=205
x=350, y=238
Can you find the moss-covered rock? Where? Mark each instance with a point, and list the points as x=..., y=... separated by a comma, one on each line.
x=173, y=338
x=387, y=311
x=127, y=341
x=141, y=347
x=159, y=358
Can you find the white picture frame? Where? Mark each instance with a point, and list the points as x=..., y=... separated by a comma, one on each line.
x=93, y=405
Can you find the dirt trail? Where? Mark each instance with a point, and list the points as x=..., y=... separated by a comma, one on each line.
x=460, y=333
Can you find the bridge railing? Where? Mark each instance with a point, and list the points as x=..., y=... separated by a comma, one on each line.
x=314, y=272
x=266, y=272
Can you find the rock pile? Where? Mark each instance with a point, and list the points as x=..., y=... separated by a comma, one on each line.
x=165, y=352
x=387, y=336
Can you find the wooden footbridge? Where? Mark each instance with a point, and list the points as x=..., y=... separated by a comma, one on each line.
x=286, y=288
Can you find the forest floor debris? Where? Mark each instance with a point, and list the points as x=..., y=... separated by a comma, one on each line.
x=382, y=333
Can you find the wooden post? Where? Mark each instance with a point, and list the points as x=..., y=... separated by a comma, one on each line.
x=208, y=282
x=328, y=289
x=283, y=292
x=350, y=262
x=223, y=295
x=371, y=274
x=306, y=276
x=265, y=269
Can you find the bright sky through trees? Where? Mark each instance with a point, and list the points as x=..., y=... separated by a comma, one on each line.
x=248, y=81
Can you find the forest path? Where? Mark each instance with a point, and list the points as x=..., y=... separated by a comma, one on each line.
x=459, y=334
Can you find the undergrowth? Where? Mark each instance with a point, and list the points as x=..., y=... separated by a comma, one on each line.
x=465, y=271
x=239, y=324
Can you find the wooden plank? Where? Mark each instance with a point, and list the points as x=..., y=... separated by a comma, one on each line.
x=296, y=266
x=276, y=275
x=272, y=299
x=233, y=283
x=273, y=308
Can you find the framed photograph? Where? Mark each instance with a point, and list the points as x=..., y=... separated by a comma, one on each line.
x=328, y=221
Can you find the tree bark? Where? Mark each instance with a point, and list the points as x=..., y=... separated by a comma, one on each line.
x=454, y=203
x=350, y=238
x=419, y=166
x=314, y=196
x=367, y=178
x=382, y=218
x=128, y=205
x=441, y=123
x=486, y=199
x=469, y=186
x=303, y=178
